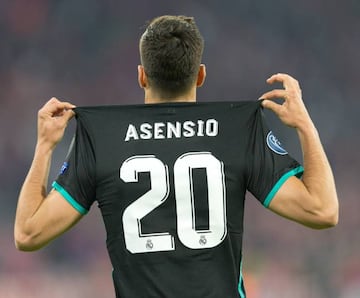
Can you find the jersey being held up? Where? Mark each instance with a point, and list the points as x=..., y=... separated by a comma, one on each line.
x=170, y=180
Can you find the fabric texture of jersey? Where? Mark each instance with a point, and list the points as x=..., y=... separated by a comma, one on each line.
x=170, y=181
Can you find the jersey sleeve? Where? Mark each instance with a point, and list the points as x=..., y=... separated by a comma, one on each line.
x=76, y=180
x=269, y=164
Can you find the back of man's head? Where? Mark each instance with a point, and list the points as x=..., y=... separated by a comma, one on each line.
x=171, y=51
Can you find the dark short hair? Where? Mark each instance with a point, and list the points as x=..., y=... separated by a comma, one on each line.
x=171, y=51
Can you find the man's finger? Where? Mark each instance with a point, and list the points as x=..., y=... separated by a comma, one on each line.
x=55, y=103
x=67, y=105
x=54, y=107
x=68, y=115
x=287, y=80
x=278, y=77
x=62, y=105
x=271, y=105
x=273, y=94
x=63, y=119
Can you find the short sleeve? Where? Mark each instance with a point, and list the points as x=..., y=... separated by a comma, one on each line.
x=76, y=180
x=269, y=164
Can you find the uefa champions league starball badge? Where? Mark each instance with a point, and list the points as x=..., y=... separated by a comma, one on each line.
x=274, y=144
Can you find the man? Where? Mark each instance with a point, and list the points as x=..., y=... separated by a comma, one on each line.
x=170, y=176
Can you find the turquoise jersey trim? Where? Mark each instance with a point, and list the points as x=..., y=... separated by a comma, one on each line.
x=294, y=172
x=69, y=198
x=240, y=289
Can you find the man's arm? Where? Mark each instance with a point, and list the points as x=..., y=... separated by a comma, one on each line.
x=311, y=201
x=41, y=217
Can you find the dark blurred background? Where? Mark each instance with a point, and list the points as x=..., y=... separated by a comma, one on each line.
x=86, y=52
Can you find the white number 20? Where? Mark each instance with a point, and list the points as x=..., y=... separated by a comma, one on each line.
x=138, y=242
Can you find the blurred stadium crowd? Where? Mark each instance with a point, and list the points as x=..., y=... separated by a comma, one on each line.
x=86, y=52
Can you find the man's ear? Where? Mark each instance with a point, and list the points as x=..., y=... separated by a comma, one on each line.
x=142, y=79
x=201, y=75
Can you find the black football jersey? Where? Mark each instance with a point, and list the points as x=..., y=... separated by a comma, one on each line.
x=170, y=180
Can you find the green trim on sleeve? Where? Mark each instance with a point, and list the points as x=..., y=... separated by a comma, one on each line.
x=69, y=198
x=294, y=172
x=240, y=289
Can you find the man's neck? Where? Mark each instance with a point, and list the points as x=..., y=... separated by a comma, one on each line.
x=152, y=98
x=168, y=100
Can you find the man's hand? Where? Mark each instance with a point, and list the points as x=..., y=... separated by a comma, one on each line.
x=53, y=118
x=292, y=111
